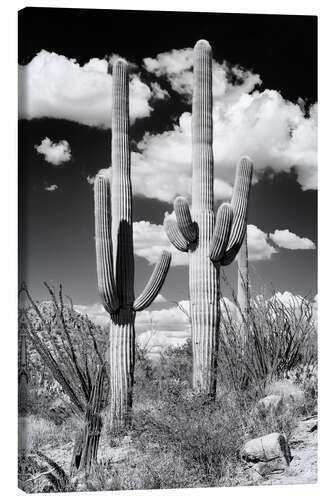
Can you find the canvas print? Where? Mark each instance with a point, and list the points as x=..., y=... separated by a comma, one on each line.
x=167, y=323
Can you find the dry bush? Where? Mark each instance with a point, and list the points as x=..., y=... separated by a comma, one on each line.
x=277, y=340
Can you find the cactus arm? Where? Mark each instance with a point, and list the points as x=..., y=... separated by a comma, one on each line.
x=175, y=235
x=103, y=241
x=221, y=232
x=239, y=203
x=184, y=219
x=155, y=282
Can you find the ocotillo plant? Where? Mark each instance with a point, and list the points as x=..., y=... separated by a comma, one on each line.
x=209, y=242
x=243, y=290
x=114, y=254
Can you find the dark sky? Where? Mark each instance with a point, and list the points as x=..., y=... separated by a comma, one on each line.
x=56, y=229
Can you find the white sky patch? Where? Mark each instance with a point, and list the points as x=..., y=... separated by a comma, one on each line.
x=150, y=240
x=52, y=187
x=53, y=86
x=258, y=245
x=286, y=239
x=56, y=153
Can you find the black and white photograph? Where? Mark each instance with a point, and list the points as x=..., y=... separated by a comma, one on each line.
x=167, y=282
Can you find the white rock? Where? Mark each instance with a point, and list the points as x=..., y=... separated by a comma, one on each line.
x=273, y=402
x=266, y=448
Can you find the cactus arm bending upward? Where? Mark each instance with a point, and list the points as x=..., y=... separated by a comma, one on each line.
x=184, y=219
x=221, y=232
x=155, y=282
x=239, y=203
x=175, y=235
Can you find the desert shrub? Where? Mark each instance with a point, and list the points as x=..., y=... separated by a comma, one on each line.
x=38, y=473
x=37, y=432
x=278, y=339
x=203, y=434
x=64, y=349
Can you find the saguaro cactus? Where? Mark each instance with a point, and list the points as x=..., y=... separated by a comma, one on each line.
x=114, y=255
x=209, y=242
x=243, y=291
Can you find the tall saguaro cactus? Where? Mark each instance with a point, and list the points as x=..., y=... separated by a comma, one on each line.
x=210, y=241
x=114, y=255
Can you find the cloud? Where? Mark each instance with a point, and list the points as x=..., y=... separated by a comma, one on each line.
x=258, y=245
x=273, y=131
x=286, y=239
x=53, y=86
x=54, y=152
x=297, y=304
x=96, y=313
x=288, y=299
x=159, y=299
x=158, y=92
x=53, y=187
x=150, y=240
x=162, y=328
x=90, y=179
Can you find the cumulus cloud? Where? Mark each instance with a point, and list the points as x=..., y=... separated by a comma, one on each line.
x=54, y=152
x=258, y=245
x=52, y=187
x=286, y=239
x=53, y=86
x=273, y=131
x=150, y=240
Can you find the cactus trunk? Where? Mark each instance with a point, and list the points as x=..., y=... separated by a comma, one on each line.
x=122, y=337
x=204, y=306
x=203, y=273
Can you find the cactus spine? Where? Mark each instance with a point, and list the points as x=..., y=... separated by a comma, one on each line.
x=209, y=242
x=115, y=258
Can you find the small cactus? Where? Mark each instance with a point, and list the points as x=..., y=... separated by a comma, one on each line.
x=115, y=256
x=210, y=242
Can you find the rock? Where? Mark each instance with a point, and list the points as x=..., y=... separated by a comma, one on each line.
x=58, y=412
x=273, y=467
x=290, y=393
x=266, y=448
x=273, y=402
